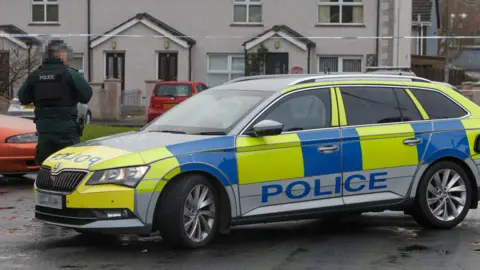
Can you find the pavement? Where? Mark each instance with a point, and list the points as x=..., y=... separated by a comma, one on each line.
x=372, y=241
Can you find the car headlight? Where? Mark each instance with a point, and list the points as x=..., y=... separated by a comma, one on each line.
x=127, y=176
x=23, y=138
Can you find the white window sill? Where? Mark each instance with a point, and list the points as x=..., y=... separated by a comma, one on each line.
x=44, y=23
x=246, y=24
x=340, y=25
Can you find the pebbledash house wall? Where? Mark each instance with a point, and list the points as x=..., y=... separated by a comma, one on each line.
x=72, y=20
x=203, y=20
x=200, y=19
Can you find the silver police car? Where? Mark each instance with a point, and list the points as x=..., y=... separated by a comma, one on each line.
x=27, y=111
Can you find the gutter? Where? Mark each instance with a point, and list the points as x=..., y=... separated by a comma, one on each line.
x=190, y=62
x=89, y=38
x=246, y=60
x=309, y=47
x=377, y=46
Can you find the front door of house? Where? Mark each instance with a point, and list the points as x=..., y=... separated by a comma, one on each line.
x=167, y=66
x=115, y=65
x=276, y=63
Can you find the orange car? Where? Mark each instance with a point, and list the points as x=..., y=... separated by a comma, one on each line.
x=18, y=140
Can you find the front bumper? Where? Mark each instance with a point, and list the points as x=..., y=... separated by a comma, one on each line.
x=104, y=208
x=91, y=220
x=17, y=158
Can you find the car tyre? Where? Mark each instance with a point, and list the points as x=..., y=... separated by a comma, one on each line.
x=443, y=196
x=187, y=215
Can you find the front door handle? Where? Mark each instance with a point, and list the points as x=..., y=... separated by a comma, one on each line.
x=412, y=141
x=328, y=149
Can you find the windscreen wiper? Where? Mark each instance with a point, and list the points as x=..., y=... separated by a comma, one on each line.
x=169, y=131
x=211, y=133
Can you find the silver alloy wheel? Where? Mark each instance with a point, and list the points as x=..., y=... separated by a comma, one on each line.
x=199, y=213
x=446, y=194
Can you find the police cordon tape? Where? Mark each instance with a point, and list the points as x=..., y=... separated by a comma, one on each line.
x=235, y=37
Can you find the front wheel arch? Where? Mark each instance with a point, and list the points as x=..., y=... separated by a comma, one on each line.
x=225, y=205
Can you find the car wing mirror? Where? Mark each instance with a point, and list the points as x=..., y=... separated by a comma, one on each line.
x=267, y=128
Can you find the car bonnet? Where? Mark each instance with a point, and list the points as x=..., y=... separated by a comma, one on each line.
x=131, y=149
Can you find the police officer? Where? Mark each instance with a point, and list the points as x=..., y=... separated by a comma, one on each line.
x=55, y=89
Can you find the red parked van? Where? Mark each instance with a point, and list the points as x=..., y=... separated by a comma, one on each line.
x=166, y=95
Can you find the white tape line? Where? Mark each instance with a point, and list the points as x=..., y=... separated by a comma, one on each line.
x=238, y=37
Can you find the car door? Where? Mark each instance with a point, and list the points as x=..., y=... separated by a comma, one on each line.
x=298, y=169
x=380, y=146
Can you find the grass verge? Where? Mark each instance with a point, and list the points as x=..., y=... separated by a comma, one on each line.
x=93, y=131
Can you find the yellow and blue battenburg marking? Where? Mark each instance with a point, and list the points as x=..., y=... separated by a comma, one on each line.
x=215, y=156
x=291, y=156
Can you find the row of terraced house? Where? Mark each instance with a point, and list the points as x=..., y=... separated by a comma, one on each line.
x=208, y=40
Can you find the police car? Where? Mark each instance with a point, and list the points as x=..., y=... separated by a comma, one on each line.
x=272, y=148
x=28, y=111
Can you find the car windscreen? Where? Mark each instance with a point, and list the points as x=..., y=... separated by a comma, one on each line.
x=173, y=90
x=209, y=112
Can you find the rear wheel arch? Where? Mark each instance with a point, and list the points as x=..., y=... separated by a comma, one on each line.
x=468, y=171
x=225, y=204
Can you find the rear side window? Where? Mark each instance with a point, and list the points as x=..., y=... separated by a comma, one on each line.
x=370, y=105
x=407, y=108
x=173, y=90
x=437, y=105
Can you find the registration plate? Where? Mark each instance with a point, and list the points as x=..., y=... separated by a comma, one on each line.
x=169, y=106
x=28, y=107
x=49, y=200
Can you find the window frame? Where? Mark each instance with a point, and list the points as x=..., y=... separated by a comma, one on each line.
x=467, y=112
x=280, y=98
x=247, y=4
x=370, y=86
x=229, y=70
x=340, y=4
x=400, y=87
x=44, y=3
x=340, y=59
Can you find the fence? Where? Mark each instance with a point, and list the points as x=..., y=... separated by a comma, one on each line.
x=133, y=102
x=456, y=76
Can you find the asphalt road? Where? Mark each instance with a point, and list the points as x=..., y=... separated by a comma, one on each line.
x=372, y=241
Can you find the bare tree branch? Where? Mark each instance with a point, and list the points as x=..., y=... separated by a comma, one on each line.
x=15, y=65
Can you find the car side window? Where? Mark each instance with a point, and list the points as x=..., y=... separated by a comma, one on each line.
x=370, y=105
x=437, y=105
x=407, y=108
x=201, y=87
x=304, y=110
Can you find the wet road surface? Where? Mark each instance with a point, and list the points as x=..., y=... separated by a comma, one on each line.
x=372, y=241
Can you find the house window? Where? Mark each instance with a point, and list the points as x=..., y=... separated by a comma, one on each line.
x=45, y=11
x=223, y=68
x=340, y=63
x=77, y=62
x=340, y=11
x=247, y=11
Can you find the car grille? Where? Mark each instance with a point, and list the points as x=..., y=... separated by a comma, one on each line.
x=66, y=181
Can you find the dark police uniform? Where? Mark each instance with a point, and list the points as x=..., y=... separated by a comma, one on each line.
x=55, y=90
